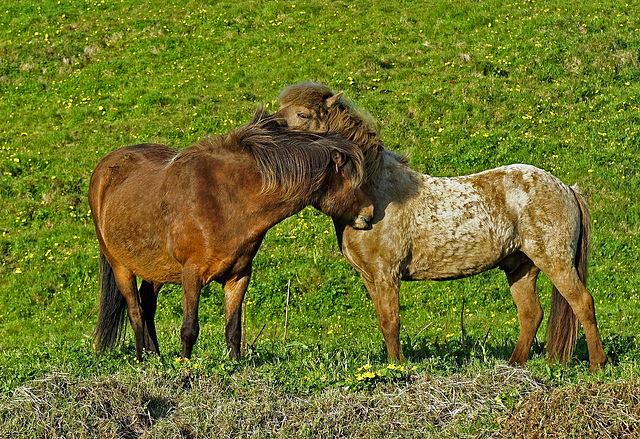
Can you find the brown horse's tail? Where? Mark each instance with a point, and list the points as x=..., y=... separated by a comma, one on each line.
x=563, y=323
x=112, y=313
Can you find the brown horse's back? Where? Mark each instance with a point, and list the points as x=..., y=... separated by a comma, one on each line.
x=121, y=164
x=130, y=157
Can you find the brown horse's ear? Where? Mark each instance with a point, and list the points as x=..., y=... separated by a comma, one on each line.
x=333, y=100
x=338, y=159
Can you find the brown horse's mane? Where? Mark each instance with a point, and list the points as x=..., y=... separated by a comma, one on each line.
x=292, y=163
x=345, y=117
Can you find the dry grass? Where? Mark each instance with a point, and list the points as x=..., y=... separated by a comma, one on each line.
x=152, y=404
x=604, y=411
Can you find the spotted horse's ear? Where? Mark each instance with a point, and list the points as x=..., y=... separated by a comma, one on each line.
x=333, y=100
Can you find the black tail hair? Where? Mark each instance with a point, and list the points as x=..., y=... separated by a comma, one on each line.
x=112, y=312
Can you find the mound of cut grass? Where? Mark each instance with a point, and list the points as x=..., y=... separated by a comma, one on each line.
x=501, y=401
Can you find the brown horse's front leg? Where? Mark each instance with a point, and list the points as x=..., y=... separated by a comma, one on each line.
x=384, y=293
x=234, y=290
x=191, y=286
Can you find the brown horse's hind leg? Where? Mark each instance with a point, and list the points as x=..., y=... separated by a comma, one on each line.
x=522, y=282
x=384, y=293
x=234, y=291
x=149, y=302
x=191, y=287
x=573, y=290
x=127, y=284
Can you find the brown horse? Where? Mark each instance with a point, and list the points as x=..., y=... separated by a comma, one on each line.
x=200, y=214
x=518, y=218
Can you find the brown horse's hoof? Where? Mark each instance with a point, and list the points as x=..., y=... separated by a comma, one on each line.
x=599, y=366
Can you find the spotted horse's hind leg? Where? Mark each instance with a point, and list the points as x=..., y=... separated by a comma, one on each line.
x=573, y=290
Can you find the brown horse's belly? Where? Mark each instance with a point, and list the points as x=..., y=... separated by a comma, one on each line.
x=148, y=264
x=155, y=275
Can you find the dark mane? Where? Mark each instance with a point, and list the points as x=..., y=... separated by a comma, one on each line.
x=292, y=163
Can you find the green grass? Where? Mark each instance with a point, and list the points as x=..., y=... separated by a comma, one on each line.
x=459, y=86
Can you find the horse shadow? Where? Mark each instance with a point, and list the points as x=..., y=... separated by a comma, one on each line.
x=457, y=352
x=440, y=353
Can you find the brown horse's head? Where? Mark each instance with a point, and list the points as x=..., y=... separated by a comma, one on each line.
x=342, y=197
x=314, y=107
x=324, y=168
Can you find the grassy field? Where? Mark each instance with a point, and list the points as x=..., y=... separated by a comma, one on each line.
x=459, y=86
